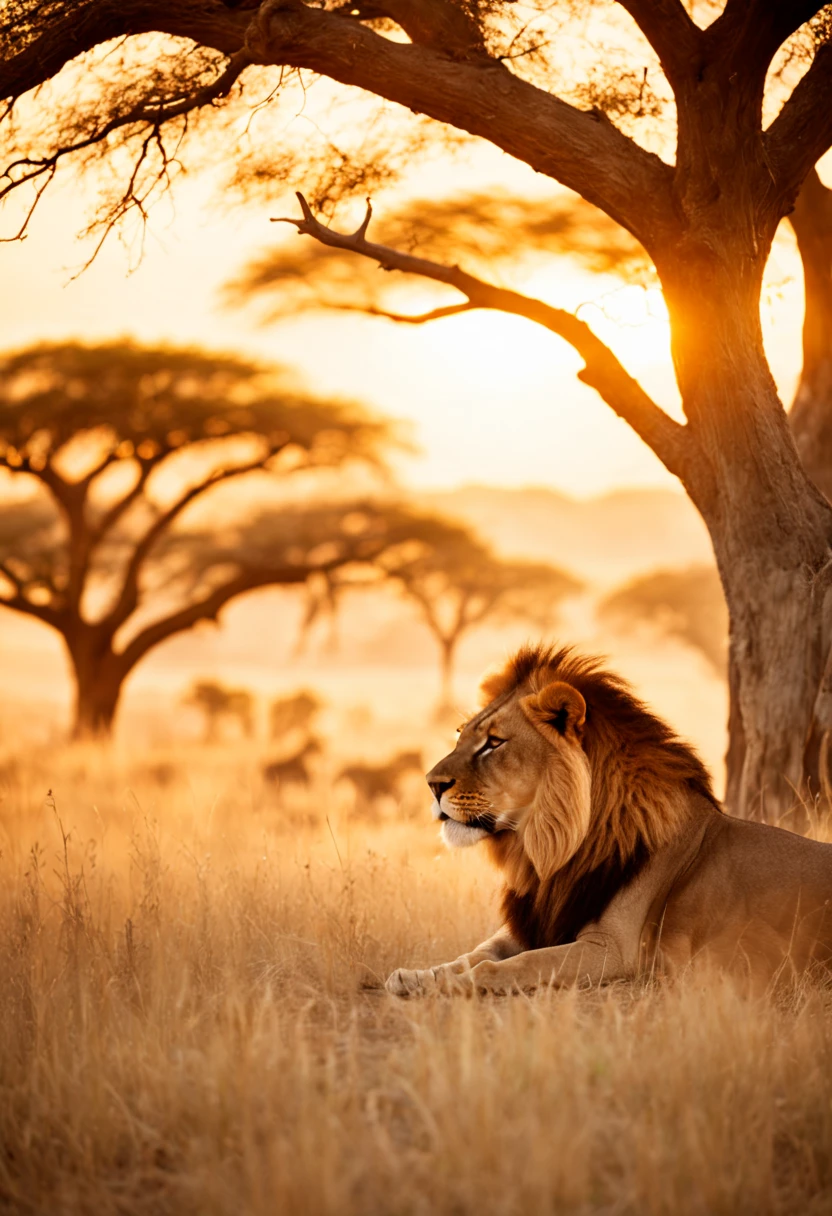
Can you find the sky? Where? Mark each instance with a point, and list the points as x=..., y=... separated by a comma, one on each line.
x=488, y=398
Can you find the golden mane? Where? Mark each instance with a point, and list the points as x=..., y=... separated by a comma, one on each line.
x=642, y=777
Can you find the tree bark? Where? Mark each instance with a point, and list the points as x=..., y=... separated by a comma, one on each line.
x=446, y=694
x=771, y=530
x=99, y=676
x=811, y=412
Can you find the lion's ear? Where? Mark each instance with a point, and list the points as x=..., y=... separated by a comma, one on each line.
x=557, y=711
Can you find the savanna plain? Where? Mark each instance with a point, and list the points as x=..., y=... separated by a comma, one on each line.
x=191, y=972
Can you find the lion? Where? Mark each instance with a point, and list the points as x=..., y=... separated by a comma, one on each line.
x=618, y=860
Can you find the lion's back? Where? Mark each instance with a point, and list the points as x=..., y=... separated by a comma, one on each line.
x=757, y=897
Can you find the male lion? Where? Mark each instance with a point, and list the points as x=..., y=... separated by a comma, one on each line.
x=618, y=860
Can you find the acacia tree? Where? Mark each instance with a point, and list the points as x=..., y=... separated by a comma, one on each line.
x=457, y=584
x=706, y=219
x=121, y=441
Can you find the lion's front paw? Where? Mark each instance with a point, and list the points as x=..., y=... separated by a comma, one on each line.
x=446, y=980
x=405, y=983
x=491, y=978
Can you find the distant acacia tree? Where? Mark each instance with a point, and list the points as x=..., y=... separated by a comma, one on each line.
x=119, y=442
x=457, y=584
x=216, y=702
x=684, y=604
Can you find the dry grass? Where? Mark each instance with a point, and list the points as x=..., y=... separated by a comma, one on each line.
x=186, y=1027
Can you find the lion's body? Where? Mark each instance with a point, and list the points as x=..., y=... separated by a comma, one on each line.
x=617, y=859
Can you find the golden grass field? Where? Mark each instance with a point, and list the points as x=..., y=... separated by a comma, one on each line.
x=189, y=1024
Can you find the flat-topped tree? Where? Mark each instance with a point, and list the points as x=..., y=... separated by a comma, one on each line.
x=706, y=216
x=122, y=444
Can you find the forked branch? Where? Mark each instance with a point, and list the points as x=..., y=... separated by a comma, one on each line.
x=668, y=28
x=802, y=131
x=128, y=600
x=602, y=371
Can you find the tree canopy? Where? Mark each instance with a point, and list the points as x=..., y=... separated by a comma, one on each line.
x=125, y=446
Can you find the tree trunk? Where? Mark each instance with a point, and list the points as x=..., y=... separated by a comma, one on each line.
x=99, y=677
x=811, y=413
x=446, y=694
x=771, y=530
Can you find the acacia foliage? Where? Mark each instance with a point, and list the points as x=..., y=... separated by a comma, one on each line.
x=126, y=528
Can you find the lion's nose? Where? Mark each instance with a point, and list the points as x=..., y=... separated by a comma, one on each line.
x=438, y=788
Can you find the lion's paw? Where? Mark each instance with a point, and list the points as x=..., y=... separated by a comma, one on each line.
x=489, y=978
x=406, y=984
x=446, y=980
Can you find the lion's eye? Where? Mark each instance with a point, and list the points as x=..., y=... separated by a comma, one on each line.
x=491, y=744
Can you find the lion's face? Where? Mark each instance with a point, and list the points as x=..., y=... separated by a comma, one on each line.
x=513, y=760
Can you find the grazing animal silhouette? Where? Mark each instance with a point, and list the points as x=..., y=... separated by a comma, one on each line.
x=294, y=770
x=372, y=781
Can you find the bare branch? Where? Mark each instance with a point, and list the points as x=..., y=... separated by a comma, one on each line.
x=208, y=608
x=88, y=478
x=19, y=602
x=603, y=371
x=402, y=318
x=117, y=510
x=802, y=131
x=668, y=28
x=129, y=598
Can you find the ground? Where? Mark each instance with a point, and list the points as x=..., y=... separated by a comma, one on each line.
x=192, y=1023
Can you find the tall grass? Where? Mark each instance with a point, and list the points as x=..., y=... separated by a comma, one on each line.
x=190, y=1022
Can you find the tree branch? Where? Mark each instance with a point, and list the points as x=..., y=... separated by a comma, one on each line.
x=451, y=28
x=208, y=608
x=428, y=612
x=81, y=27
x=754, y=30
x=19, y=602
x=581, y=149
x=29, y=169
x=117, y=510
x=802, y=131
x=129, y=598
x=603, y=371
x=403, y=318
x=668, y=28
x=451, y=81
